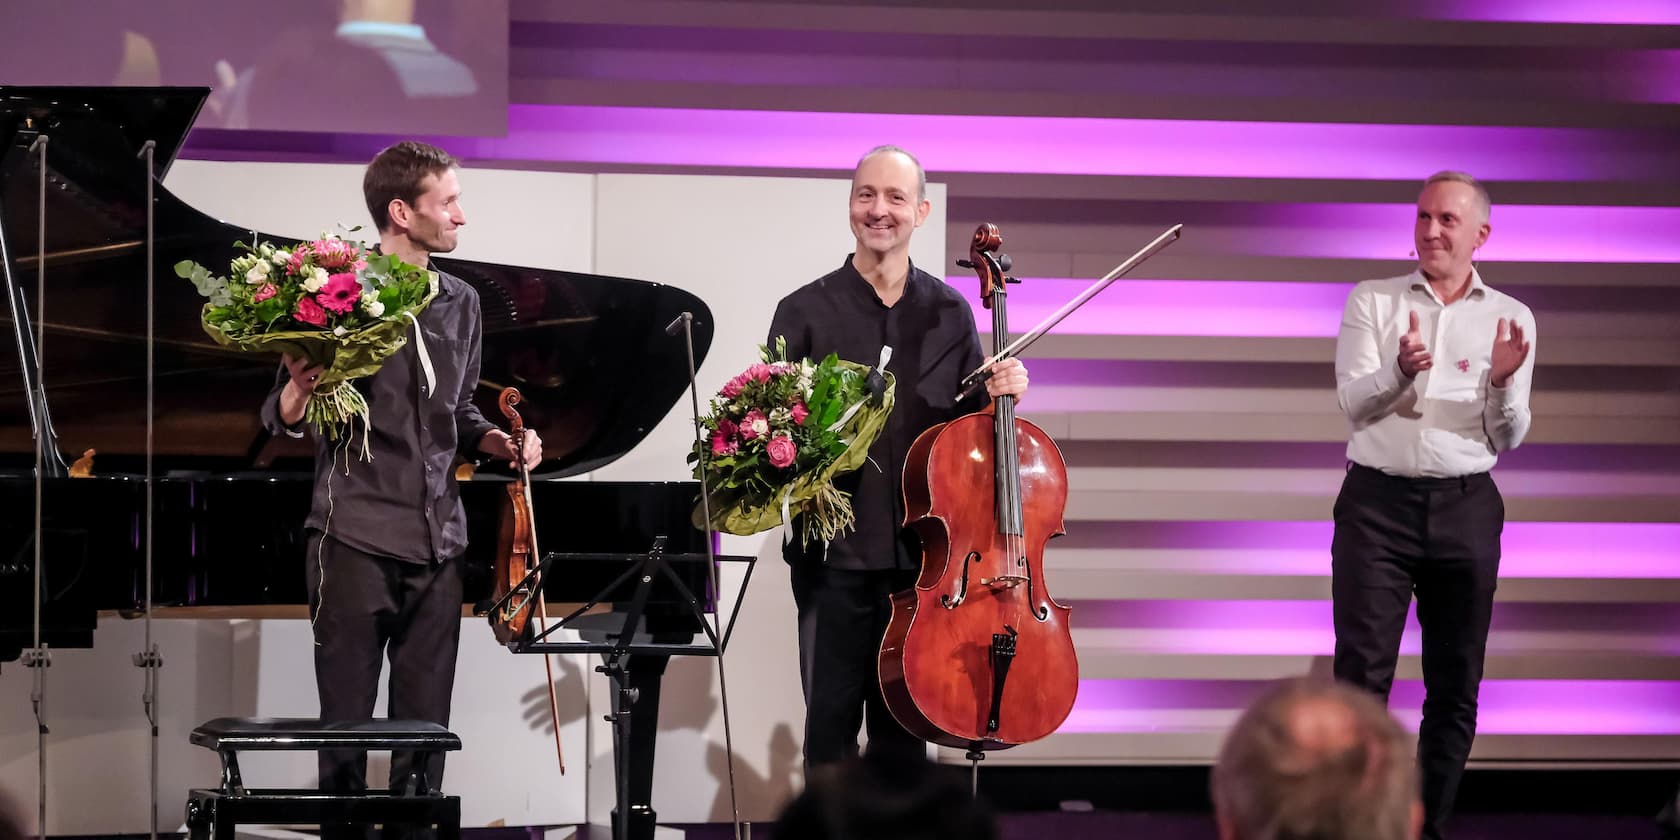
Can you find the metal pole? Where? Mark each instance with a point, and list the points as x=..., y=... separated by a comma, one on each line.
x=148, y=658
x=38, y=659
x=687, y=320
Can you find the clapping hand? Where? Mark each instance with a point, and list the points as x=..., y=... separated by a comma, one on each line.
x=1510, y=349
x=1414, y=357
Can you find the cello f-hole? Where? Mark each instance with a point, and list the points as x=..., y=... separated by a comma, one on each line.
x=951, y=603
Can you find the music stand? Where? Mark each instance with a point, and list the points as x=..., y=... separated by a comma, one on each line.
x=642, y=574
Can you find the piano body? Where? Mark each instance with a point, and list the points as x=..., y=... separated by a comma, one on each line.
x=563, y=338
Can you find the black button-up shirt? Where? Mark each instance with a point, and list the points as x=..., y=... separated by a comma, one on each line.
x=931, y=331
x=404, y=503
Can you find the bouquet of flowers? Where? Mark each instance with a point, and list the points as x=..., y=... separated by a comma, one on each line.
x=779, y=433
x=329, y=300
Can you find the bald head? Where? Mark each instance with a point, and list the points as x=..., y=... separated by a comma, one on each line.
x=1316, y=759
x=921, y=174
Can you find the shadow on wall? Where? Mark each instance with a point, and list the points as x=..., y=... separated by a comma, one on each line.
x=756, y=791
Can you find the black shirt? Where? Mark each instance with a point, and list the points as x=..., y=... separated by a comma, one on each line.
x=931, y=331
x=404, y=503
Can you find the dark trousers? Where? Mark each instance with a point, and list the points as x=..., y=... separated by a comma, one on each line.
x=1438, y=538
x=364, y=607
x=842, y=617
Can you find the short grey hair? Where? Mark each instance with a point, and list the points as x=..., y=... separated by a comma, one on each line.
x=921, y=174
x=1483, y=200
x=1312, y=758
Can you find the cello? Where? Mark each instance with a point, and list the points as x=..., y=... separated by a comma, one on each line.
x=517, y=586
x=977, y=653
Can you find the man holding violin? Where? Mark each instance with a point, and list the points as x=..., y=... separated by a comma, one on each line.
x=875, y=299
x=386, y=535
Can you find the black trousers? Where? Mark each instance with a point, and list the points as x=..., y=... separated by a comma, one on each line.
x=1439, y=539
x=364, y=607
x=842, y=617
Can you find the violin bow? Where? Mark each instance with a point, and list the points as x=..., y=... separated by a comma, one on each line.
x=518, y=434
x=979, y=374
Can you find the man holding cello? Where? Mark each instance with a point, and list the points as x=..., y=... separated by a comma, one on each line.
x=875, y=299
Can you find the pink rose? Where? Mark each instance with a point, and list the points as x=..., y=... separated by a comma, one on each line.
x=781, y=449
x=264, y=293
x=799, y=412
x=722, y=445
x=754, y=425
x=727, y=427
x=310, y=312
x=340, y=293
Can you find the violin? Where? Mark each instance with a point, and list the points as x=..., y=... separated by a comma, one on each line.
x=517, y=591
x=516, y=545
x=977, y=653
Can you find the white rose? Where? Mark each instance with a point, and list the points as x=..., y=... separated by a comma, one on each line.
x=372, y=306
x=281, y=258
x=258, y=274
x=317, y=279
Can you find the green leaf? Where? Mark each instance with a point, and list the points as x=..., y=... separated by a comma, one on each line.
x=268, y=310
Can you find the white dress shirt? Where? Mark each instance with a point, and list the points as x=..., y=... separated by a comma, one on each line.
x=1449, y=421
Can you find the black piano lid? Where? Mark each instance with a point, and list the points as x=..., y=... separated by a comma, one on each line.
x=589, y=352
x=83, y=118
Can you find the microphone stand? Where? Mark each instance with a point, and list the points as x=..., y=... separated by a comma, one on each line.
x=684, y=322
x=148, y=658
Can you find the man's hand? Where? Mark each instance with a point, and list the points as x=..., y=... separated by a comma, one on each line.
x=499, y=444
x=296, y=394
x=304, y=375
x=1008, y=377
x=1414, y=357
x=1510, y=349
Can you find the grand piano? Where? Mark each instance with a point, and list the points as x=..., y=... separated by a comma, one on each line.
x=228, y=499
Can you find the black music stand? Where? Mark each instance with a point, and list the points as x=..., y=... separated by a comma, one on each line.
x=633, y=816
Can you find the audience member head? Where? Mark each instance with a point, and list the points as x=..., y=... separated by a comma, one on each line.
x=11, y=819
x=881, y=797
x=1313, y=759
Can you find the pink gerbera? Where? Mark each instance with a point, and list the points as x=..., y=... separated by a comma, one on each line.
x=341, y=293
x=722, y=445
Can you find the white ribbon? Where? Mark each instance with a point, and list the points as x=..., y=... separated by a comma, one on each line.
x=835, y=426
x=425, y=358
x=787, y=523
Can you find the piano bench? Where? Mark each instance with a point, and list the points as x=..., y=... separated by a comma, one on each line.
x=217, y=812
